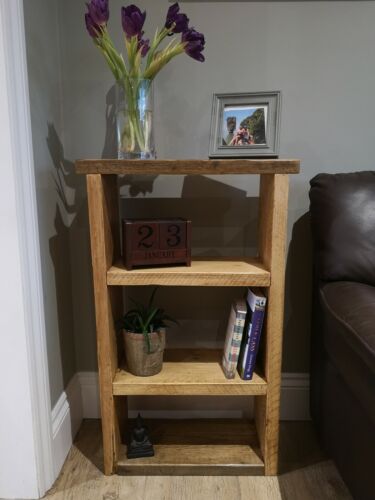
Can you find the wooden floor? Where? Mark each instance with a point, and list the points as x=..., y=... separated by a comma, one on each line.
x=305, y=474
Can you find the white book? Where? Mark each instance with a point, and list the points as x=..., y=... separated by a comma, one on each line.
x=233, y=337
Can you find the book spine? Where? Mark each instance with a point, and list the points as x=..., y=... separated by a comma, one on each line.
x=253, y=343
x=244, y=348
x=232, y=350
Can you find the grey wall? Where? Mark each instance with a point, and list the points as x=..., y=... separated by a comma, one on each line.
x=319, y=54
x=54, y=199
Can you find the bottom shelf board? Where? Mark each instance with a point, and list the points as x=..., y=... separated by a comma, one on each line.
x=198, y=447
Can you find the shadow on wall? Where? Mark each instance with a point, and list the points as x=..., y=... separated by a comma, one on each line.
x=69, y=251
x=60, y=255
x=224, y=220
x=298, y=296
x=110, y=140
x=224, y=223
x=137, y=184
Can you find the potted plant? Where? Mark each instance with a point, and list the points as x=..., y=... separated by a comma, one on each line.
x=144, y=337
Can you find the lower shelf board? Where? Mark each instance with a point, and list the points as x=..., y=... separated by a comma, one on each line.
x=194, y=372
x=198, y=447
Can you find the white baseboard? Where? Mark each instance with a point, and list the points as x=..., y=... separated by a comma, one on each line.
x=89, y=383
x=295, y=398
x=66, y=419
x=81, y=400
x=294, y=401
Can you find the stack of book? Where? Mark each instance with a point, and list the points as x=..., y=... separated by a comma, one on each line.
x=243, y=335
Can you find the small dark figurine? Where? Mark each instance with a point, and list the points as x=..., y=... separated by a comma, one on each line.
x=139, y=444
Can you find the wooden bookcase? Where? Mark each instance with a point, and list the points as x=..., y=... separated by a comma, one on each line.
x=190, y=446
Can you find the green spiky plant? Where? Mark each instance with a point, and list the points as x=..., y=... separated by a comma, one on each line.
x=145, y=319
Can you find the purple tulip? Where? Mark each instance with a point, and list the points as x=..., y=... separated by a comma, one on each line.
x=93, y=29
x=180, y=22
x=194, y=44
x=144, y=45
x=132, y=20
x=98, y=11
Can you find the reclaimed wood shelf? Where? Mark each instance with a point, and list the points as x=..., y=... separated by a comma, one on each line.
x=190, y=447
x=188, y=372
x=207, y=272
x=199, y=446
x=187, y=167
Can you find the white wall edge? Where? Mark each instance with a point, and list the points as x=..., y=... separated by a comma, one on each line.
x=27, y=225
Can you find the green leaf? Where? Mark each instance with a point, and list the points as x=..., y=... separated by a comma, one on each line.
x=145, y=319
x=148, y=342
x=151, y=300
x=149, y=318
x=162, y=58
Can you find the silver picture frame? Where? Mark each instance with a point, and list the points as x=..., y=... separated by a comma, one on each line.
x=242, y=136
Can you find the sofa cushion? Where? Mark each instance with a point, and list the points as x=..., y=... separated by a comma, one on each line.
x=342, y=213
x=349, y=336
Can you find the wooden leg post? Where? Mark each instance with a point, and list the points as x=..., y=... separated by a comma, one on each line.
x=272, y=242
x=104, y=234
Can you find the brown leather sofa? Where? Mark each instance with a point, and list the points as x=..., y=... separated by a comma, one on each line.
x=342, y=395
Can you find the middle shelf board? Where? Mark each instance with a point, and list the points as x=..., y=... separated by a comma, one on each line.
x=188, y=372
x=202, y=272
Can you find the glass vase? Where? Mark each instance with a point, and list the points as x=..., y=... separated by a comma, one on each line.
x=134, y=119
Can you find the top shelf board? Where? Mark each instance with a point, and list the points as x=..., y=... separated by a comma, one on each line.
x=187, y=167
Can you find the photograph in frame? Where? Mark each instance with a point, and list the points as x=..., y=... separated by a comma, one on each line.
x=245, y=125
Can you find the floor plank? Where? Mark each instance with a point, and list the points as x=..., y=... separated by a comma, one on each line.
x=305, y=474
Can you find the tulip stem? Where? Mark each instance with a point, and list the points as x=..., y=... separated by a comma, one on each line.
x=132, y=136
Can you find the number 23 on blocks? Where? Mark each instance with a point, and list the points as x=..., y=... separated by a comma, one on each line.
x=148, y=242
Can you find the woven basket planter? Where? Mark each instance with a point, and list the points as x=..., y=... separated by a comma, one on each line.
x=139, y=361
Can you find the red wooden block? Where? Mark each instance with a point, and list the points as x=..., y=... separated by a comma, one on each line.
x=150, y=242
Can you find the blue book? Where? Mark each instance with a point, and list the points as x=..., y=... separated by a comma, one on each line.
x=256, y=306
